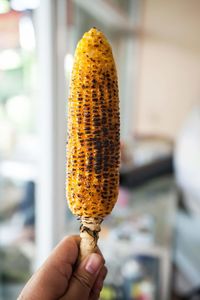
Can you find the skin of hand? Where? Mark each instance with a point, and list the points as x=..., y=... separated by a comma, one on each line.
x=61, y=277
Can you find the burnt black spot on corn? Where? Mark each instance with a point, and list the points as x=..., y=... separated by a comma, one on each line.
x=93, y=148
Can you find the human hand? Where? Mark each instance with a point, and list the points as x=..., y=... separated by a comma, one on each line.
x=60, y=278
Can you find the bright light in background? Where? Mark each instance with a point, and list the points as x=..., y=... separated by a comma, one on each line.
x=68, y=63
x=21, y=171
x=26, y=34
x=21, y=5
x=18, y=109
x=4, y=6
x=9, y=59
x=7, y=134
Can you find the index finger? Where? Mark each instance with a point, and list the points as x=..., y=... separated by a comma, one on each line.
x=51, y=280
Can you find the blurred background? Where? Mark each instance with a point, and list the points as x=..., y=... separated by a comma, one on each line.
x=151, y=242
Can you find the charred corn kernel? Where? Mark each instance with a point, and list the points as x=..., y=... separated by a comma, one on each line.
x=93, y=129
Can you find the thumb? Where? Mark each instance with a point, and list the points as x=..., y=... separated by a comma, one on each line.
x=84, y=277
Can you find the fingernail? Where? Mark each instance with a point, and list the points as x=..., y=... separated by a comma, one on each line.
x=93, y=264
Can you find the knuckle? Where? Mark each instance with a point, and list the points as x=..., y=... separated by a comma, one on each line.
x=84, y=280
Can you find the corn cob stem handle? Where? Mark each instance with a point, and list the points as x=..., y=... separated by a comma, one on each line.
x=89, y=233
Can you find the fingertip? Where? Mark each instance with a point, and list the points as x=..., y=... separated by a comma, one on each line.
x=66, y=252
x=72, y=242
x=99, y=281
x=72, y=239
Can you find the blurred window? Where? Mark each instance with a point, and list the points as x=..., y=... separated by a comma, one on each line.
x=18, y=144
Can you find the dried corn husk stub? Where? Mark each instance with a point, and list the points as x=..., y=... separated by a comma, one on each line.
x=93, y=146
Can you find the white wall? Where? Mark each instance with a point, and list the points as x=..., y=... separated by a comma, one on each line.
x=169, y=75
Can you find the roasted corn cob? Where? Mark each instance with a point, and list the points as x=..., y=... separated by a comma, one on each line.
x=93, y=146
